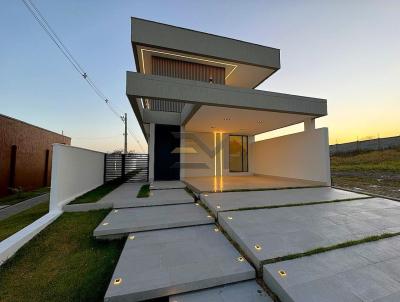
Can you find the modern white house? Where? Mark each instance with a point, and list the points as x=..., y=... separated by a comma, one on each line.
x=194, y=95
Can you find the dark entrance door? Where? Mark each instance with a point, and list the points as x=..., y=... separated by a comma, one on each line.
x=166, y=162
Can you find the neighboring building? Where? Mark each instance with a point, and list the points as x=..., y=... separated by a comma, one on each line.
x=25, y=155
x=195, y=99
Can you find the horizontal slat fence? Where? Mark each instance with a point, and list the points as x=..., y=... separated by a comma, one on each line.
x=129, y=167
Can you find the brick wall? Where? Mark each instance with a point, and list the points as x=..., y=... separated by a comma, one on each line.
x=31, y=143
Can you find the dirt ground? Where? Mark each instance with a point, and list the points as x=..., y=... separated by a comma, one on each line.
x=384, y=183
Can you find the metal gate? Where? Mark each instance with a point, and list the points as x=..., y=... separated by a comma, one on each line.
x=129, y=167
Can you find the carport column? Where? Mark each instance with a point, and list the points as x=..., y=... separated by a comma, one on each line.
x=151, y=152
x=309, y=124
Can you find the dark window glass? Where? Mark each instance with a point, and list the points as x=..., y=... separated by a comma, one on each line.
x=238, y=146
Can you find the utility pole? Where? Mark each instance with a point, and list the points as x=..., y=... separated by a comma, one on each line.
x=126, y=134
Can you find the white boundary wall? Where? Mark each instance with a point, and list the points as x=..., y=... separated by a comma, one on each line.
x=303, y=155
x=75, y=171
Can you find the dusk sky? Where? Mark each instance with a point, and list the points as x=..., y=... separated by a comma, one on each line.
x=345, y=51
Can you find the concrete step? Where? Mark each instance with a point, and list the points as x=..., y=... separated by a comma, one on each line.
x=168, y=262
x=167, y=184
x=120, y=222
x=218, y=202
x=246, y=291
x=364, y=272
x=156, y=198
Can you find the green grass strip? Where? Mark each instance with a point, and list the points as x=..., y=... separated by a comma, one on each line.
x=17, y=222
x=331, y=248
x=144, y=191
x=21, y=196
x=294, y=204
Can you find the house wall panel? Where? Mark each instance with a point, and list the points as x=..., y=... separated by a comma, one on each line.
x=303, y=155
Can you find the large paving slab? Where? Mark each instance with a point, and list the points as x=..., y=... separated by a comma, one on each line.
x=167, y=184
x=123, y=193
x=265, y=234
x=168, y=262
x=246, y=291
x=227, y=201
x=124, y=221
x=157, y=198
x=364, y=272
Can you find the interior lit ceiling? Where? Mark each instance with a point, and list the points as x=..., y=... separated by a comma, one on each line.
x=236, y=74
x=240, y=121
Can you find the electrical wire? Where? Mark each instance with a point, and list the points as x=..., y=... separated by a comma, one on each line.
x=78, y=67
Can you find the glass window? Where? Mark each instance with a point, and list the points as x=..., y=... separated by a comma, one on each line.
x=238, y=153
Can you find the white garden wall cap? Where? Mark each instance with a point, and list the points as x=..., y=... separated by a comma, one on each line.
x=75, y=147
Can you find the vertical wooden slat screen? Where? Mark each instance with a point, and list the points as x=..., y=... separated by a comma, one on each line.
x=187, y=70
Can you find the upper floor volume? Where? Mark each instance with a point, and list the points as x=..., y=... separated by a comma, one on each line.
x=166, y=50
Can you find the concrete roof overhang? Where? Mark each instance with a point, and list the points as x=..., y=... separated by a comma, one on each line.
x=246, y=64
x=212, y=107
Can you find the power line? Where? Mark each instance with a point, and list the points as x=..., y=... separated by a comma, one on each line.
x=71, y=59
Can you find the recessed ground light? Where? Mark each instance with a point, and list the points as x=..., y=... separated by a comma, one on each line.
x=257, y=247
x=196, y=203
x=216, y=230
x=131, y=237
x=240, y=259
x=118, y=281
x=105, y=223
x=209, y=216
x=218, y=207
x=282, y=273
x=115, y=211
x=230, y=218
x=205, y=195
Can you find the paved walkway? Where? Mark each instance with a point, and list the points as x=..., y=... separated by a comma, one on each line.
x=176, y=250
x=284, y=231
x=23, y=205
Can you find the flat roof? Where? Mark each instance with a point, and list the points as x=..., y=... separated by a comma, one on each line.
x=246, y=64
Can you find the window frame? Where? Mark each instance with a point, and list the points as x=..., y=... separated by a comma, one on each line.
x=247, y=152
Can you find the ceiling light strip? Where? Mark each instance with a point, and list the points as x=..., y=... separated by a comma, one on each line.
x=185, y=57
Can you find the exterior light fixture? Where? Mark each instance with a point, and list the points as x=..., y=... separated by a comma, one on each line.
x=240, y=259
x=209, y=216
x=257, y=247
x=115, y=211
x=205, y=195
x=218, y=207
x=216, y=230
x=132, y=237
x=230, y=218
x=117, y=281
x=105, y=223
x=196, y=203
x=282, y=273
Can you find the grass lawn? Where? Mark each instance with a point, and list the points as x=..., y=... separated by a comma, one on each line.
x=18, y=197
x=144, y=191
x=18, y=221
x=63, y=263
x=386, y=160
x=376, y=172
x=98, y=193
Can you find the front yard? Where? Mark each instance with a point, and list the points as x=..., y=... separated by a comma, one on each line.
x=63, y=263
x=21, y=196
